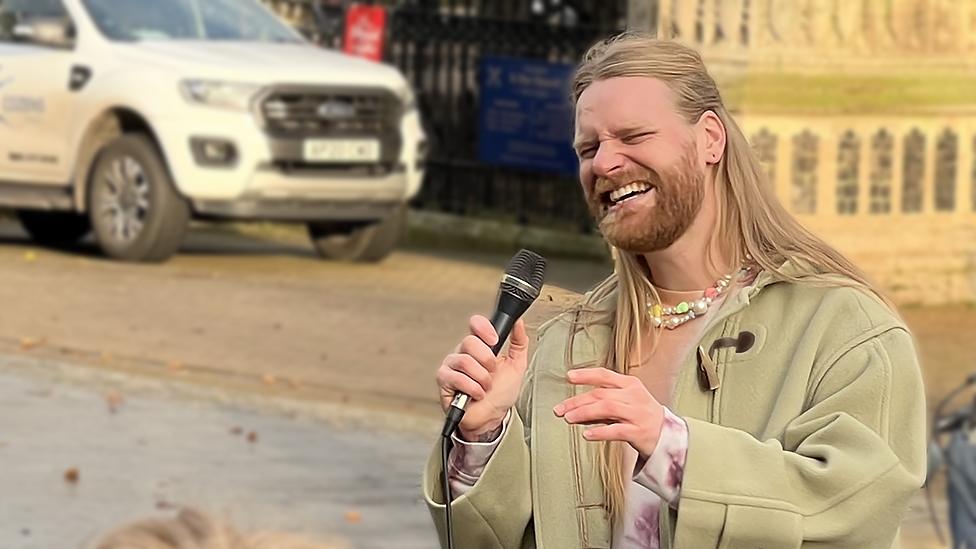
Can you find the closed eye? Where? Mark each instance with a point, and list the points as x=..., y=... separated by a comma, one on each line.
x=636, y=138
x=586, y=152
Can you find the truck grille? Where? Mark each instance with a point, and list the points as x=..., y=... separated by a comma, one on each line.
x=316, y=112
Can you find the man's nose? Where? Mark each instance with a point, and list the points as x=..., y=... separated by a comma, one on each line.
x=607, y=161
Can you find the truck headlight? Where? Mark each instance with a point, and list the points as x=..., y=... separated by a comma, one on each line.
x=227, y=95
x=408, y=99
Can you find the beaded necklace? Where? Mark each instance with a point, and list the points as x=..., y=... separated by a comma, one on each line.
x=672, y=317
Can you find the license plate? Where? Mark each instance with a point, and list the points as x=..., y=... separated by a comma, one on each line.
x=341, y=150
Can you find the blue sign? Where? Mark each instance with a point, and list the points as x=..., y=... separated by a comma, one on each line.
x=525, y=118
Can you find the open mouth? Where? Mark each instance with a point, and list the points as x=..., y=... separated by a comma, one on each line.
x=623, y=194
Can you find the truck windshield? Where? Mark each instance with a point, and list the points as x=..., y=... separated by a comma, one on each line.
x=135, y=20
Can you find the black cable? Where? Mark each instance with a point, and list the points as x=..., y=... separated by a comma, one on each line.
x=449, y=522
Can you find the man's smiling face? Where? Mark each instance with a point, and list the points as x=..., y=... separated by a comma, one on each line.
x=639, y=163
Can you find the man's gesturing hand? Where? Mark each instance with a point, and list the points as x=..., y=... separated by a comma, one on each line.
x=621, y=403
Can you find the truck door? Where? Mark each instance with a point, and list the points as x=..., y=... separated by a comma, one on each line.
x=36, y=53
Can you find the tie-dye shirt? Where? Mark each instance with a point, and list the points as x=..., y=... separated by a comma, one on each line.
x=655, y=481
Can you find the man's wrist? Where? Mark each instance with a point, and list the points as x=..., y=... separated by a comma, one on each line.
x=488, y=433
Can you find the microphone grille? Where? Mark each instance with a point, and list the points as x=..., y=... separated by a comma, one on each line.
x=529, y=268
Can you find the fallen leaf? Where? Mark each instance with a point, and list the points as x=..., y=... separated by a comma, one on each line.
x=353, y=517
x=269, y=379
x=164, y=505
x=252, y=437
x=72, y=475
x=114, y=400
x=236, y=431
x=174, y=365
x=30, y=255
x=27, y=343
x=107, y=357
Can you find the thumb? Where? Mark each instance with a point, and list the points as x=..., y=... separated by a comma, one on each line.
x=518, y=344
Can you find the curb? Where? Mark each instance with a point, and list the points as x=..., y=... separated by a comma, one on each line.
x=441, y=230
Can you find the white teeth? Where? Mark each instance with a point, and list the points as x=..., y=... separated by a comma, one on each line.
x=624, y=191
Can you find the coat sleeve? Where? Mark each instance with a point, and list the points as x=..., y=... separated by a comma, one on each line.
x=842, y=475
x=497, y=511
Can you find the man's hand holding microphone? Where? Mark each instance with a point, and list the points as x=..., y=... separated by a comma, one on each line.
x=492, y=382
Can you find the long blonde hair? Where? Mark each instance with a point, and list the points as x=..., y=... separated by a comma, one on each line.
x=751, y=221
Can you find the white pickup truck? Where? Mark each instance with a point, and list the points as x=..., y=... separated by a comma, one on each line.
x=131, y=117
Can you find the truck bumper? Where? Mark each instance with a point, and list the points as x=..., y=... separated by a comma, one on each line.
x=264, y=181
x=294, y=210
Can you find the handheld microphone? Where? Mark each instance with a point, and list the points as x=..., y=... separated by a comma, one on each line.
x=520, y=286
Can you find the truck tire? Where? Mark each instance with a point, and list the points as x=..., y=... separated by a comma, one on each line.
x=135, y=209
x=363, y=243
x=54, y=228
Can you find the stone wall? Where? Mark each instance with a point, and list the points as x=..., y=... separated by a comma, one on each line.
x=896, y=194
x=817, y=34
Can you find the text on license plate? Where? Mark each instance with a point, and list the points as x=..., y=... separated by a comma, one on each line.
x=341, y=150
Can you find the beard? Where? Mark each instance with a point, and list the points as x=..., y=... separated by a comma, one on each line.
x=653, y=227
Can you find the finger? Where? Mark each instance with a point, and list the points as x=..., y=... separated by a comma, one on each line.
x=479, y=350
x=586, y=398
x=481, y=327
x=598, y=377
x=452, y=381
x=618, y=431
x=603, y=411
x=471, y=368
x=518, y=344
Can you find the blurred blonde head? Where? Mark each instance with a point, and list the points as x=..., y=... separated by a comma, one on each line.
x=192, y=529
x=750, y=221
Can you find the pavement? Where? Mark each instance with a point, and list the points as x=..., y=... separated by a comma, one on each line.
x=87, y=450
x=254, y=313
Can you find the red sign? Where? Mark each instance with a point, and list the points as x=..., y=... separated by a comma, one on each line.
x=365, y=31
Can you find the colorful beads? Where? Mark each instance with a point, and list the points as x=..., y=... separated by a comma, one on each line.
x=672, y=317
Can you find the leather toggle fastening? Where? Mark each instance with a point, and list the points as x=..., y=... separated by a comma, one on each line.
x=708, y=370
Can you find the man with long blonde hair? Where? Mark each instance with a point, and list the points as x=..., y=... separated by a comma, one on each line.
x=736, y=382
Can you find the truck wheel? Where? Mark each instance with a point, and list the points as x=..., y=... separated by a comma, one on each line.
x=54, y=228
x=364, y=243
x=134, y=207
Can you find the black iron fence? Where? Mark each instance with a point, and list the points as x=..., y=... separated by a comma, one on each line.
x=439, y=44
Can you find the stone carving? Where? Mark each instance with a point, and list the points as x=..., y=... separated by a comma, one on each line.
x=946, y=159
x=882, y=146
x=804, y=176
x=848, y=164
x=764, y=143
x=972, y=178
x=886, y=28
x=913, y=172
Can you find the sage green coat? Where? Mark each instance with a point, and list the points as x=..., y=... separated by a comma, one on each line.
x=814, y=437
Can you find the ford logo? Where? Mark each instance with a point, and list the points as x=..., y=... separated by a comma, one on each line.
x=336, y=110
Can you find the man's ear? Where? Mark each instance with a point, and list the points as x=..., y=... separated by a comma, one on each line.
x=714, y=132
